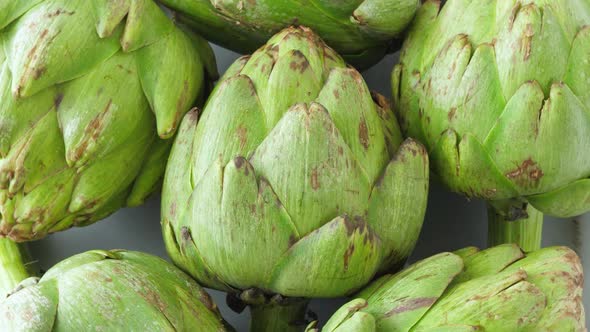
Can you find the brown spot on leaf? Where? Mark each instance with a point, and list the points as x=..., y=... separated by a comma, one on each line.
x=207, y=301
x=153, y=297
x=183, y=100
x=358, y=307
x=185, y=234
x=58, y=12
x=239, y=162
x=349, y=224
x=384, y=107
x=92, y=131
x=117, y=270
x=412, y=304
x=193, y=114
x=300, y=64
x=527, y=41
x=577, y=275
x=31, y=53
x=414, y=149
x=273, y=50
x=347, y=254
x=360, y=223
x=527, y=174
x=38, y=72
x=127, y=70
x=451, y=114
x=364, y=134
x=336, y=94
x=315, y=182
x=513, y=14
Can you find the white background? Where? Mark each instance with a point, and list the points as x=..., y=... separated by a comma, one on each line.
x=452, y=222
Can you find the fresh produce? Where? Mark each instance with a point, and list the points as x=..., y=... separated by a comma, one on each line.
x=362, y=31
x=295, y=183
x=90, y=92
x=498, y=289
x=498, y=92
x=107, y=291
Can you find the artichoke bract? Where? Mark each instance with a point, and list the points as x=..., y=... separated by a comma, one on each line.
x=296, y=180
x=498, y=92
x=110, y=291
x=90, y=92
x=497, y=289
x=362, y=31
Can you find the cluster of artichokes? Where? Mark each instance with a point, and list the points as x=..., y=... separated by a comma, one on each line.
x=289, y=179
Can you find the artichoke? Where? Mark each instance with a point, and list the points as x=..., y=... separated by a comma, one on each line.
x=497, y=289
x=89, y=91
x=296, y=181
x=363, y=31
x=108, y=291
x=498, y=92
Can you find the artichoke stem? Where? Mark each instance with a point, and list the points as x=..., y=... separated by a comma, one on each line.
x=523, y=227
x=284, y=317
x=15, y=265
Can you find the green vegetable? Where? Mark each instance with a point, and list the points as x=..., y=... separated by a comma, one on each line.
x=90, y=90
x=294, y=183
x=107, y=291
x=498, y=289
x=363, y=31
x=498, y=92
